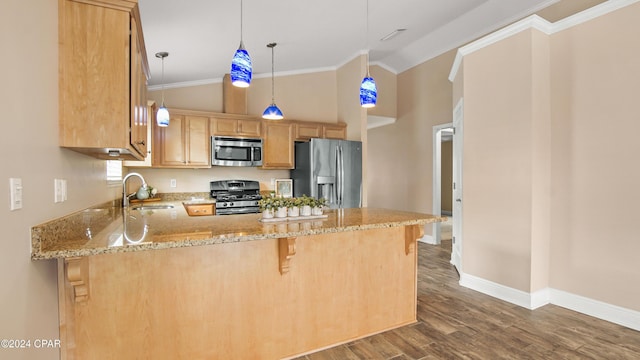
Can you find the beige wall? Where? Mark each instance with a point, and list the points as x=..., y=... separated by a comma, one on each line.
x=310, y=97
x=555, y=110
x=387, y=84
x=497, y=162
x=595, y=83
x=29, y=144
x=400, y=155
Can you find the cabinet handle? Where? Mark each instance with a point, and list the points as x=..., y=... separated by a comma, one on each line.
x=140, y=142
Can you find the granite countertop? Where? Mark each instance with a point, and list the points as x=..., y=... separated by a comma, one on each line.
x=110, y=228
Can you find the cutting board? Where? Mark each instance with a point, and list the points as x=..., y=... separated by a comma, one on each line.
x=145, y=200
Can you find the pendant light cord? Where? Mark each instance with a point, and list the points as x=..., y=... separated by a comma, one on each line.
x=163, y=81
x=366, y=40
x=273, y=87
x=241, y=24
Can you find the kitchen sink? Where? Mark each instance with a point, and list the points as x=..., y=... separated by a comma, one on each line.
x=152, y=207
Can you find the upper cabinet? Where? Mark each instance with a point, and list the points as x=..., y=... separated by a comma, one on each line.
x=185, y=143
x=307, y=130
x=103, y=79
x=236, y=125
x=278, y=145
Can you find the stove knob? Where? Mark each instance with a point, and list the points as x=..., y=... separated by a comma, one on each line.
x=230, y=204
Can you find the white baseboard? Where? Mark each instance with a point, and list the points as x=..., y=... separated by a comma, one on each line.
x=598, y=309
x=601, y=310
x=501, y=292
x=428, y=239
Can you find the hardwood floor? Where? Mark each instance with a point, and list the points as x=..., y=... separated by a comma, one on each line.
x=458, y=323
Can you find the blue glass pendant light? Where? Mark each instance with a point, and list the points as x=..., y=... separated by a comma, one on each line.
x=272, y=112
x=241, y=68
x=368, y=89
x=162, y=116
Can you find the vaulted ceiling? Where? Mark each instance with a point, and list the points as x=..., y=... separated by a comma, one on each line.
x=201, y=36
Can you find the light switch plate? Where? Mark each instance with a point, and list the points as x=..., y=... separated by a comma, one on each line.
x=59, y=190
x=15, y=191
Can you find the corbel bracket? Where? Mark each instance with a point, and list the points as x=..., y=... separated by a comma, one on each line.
x=77, y=273
x=286, y=250
x=411, y=235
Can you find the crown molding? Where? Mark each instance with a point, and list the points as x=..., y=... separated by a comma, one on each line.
x=537, y=23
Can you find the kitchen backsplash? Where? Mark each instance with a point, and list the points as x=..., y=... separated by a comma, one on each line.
x=197, y=180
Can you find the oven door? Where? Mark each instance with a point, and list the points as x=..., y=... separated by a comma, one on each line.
x=227, y=151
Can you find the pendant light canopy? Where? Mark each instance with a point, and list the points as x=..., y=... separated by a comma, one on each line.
x=241, y=68
x=368, y=89
x=272, y=112
x=162, y=116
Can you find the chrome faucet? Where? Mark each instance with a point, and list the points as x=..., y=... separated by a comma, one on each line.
x=125, y=197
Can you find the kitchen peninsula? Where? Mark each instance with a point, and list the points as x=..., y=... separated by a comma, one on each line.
x=161, y=284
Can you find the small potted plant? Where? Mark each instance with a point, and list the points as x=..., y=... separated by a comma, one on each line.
x=280, y=207
x=318, y=206
x=266, y=207
x=293, y=206
x=305, y=205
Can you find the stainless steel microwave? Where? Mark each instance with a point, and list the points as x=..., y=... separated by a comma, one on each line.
x=230, y=151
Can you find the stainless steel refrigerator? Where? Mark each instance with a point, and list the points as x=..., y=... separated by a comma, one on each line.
x=331, y=169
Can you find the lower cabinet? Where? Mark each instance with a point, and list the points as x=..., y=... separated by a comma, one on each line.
x=185, y=143
x=278, y=145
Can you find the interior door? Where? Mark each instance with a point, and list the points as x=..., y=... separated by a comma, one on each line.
x=456, y=249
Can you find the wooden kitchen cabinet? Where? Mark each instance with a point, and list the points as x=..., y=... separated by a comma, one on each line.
x=185, y=143
x=152, y=107
x=242, y=126
x=307, y=130
x=334, y=131
x=103, y=74
x=278, y=145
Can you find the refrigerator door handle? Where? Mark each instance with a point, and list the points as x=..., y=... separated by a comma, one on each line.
x=336, y=185
x=341, y=176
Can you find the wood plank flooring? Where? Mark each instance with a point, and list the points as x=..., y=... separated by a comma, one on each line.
x=458, y=323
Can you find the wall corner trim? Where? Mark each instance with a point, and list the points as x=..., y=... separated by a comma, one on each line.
x=598, y=309
x=538, y=23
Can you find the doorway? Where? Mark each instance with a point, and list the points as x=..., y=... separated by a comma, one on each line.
x=449, y=132
x=442, y=134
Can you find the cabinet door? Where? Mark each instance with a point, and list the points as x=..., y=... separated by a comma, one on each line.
x=304, y=132
x=278, y=145
x=224, y=126
x=138, y=117
x=249, y=127
x=184, y=143
x=334, y=131
x=97, y=80
x=168, y=143
x=236, y=127
x=198, y=141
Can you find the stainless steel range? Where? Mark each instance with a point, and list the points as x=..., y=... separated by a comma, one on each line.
x=235, y=196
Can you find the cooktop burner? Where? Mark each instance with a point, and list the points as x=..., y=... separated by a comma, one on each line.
x=236, y=196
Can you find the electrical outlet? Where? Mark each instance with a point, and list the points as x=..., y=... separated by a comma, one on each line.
x=173, y=183
x=15, y=193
